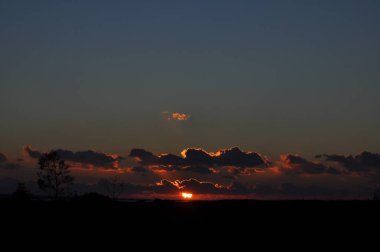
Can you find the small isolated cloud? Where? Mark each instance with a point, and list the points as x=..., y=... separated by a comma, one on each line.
x=3, y=158
x=89, y=157
x=176, y=116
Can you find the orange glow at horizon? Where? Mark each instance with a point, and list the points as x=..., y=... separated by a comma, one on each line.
x=186, y=195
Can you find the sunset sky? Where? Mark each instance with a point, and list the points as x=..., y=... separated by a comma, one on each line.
x=252, y=99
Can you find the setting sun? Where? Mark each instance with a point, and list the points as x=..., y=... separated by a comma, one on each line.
x=187, y=195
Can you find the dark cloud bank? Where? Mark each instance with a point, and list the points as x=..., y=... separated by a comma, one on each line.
x=293, y=164
x=194, y=156
x=200, y=161
x=88, y=157
x=363, y=162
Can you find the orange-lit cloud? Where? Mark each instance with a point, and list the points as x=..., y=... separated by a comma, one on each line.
x=198, y=157
x=195, y=186
x=176, y=116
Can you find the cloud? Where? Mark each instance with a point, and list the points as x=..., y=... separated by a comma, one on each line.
x=89, y=157
x=165, y=168
x=294, y=164
x=363, y=162
x=139, y=169
x=163, y=187
x=198, y=187
x=33, y=153
x=176, y=116
x=170, y=159
x=191, y=185
x=199, y=157
x=236, y=157
x=224, y=157
x=199, y=169
x=144, y=157
x=3, y=158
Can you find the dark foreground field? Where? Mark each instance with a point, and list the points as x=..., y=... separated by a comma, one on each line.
x=272, y=223
x=334, y=214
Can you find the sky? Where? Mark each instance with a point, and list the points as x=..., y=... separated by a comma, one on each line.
x=276, y=78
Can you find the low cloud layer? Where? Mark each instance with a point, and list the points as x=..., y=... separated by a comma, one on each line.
x=191, y=185
x=89, y=157
x=199, y=157
x=198, y=187
x=294, y=164
x=363, y=162
x=230, y=172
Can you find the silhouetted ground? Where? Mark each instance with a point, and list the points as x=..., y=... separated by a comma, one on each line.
x=94, y=209
x=92, y=219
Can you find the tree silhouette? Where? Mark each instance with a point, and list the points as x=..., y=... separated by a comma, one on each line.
x=54, y=175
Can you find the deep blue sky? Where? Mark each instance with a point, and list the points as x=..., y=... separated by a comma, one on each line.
x=271, y=76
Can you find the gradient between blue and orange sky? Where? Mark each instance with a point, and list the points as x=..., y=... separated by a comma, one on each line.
x=271, y=76
x=274, y=77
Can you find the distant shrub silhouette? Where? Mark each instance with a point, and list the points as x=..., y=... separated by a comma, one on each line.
x=54, y=175
x=21, y=193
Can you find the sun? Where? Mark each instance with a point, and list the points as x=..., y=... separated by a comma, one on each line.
x=186, y=195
